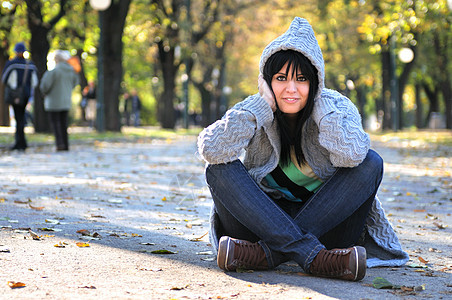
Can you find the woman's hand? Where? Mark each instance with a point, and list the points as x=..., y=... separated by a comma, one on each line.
x=266, y=93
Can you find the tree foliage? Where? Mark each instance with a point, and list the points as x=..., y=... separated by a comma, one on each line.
x=208, y=51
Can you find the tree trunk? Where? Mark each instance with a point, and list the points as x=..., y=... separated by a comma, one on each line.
x=432, y=96
x=385, y=62
x=419, y=108
x=113, y=27
x=361, y=95
x=4, y=108
x=39, y=48
x=447, y=95
x=403, y=79
x=441, y=50
x=7, y=20
x=169, y=71
x=206, y=97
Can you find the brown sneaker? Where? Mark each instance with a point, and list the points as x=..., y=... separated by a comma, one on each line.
x=236, y=254
x=347, y=264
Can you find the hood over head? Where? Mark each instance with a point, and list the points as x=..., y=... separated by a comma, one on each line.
x=299, y=37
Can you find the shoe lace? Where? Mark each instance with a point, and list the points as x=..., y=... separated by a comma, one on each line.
x=249, y=255
x=331, y=262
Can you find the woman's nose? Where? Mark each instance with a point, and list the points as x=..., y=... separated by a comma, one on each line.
x=290, y=87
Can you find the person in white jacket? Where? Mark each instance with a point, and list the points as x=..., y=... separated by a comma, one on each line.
x=306, y=189
x=57, y=86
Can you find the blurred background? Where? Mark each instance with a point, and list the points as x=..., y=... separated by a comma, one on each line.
x=190, y=60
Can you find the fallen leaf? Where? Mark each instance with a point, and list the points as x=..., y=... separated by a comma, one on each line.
x=83, y=232
x=91, y=287
x=21, y=202
x=440, y=226
x=15, y=285
x=199, y=238
x=419, y=210
x=209, y=252
x=163, y=251
x=49, y=229
x=422, y=260
x=152, y=270
x=381, y=283
x=34, y=235
x=116, y=201
x=209, y=258
x=36, y=207
x=82, y=245
x=4, y=249
x=61, y=245
x=415, y=266
x=419, y=288
x=51, y=221
x=176, y=288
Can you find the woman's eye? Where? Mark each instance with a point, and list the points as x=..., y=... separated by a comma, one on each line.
x=301, y=78
x=281, y=78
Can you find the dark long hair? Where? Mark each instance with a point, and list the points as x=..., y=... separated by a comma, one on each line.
x=298, y=62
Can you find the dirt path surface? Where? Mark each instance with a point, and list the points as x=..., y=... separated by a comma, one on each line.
x=100, y=214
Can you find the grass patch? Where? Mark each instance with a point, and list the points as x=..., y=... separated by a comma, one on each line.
x=86, y=134
x=432, y=137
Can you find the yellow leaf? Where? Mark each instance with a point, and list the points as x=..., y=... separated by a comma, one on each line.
x=422, y=260
x=36, y=207
x=82, y=245
x=14, y=285
x=60, y=245
x=164, y=199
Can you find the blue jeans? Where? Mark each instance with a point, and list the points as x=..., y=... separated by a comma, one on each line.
x=333, y=217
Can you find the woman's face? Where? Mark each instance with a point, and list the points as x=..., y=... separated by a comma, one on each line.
x=291, y=91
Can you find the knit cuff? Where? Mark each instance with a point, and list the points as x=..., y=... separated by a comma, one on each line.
x=260, y=109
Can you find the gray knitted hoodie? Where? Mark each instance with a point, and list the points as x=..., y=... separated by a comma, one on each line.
x=332, y=138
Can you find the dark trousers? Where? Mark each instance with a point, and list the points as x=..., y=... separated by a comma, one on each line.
x=59, y=121
x=19, y=115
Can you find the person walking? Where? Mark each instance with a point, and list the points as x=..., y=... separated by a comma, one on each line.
x=19, y=74
x=306, y=189
x=57, y=86
x=89, y=103
x=136, y=107
x=126, y=108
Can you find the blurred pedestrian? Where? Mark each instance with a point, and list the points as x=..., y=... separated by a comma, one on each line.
x=89, y=102
x=57, y=86
x=126, y=108
x=20, y=78
x=136, y=108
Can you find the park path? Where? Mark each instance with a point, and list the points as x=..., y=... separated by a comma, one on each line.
x=103, y=211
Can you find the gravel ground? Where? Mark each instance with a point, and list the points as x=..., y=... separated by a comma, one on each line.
x=93, y=223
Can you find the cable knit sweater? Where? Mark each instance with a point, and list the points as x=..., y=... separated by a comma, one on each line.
x=332, y=138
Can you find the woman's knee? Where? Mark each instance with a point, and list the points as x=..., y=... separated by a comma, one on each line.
x=373, y=161
x=215, y=169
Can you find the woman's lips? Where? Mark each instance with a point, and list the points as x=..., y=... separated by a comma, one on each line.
x=291, y=100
